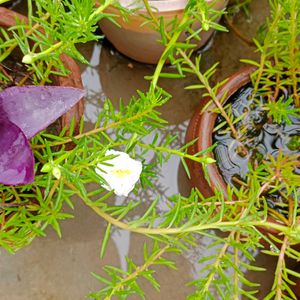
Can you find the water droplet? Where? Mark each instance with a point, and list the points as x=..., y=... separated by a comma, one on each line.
x=274, y=249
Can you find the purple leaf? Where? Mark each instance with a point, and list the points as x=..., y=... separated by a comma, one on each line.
x=33, y=108
x=16, y=158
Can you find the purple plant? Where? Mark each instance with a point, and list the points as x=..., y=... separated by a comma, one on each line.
x=25, y=111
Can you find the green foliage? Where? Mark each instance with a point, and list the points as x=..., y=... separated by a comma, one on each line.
x=277, y=70
x=282, y=110
x=56, y=27
x=124, y=283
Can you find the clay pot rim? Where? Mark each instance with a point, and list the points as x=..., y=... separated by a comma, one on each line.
x=202, y=124
x=73, y=79
x=161, y=5
x=139, y=40
x=233, y=84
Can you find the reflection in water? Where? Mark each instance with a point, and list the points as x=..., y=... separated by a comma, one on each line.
x=92, y=85
x=121, y=239
x=122, y=77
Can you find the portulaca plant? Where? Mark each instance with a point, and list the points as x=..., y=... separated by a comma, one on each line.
x=26, y=210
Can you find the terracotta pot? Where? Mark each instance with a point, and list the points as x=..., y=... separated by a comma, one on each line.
x=140, y=41
x=201, y=127
x=8, y=19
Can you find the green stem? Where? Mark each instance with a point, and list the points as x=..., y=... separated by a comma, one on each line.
x=293, y=52
x=210, y=91
x=150, y=12
x=95, y=131
x=236, y=274
x=216, y=265
x=137, y=272
x=100, y=9
x=169, y=46
x=202, y=159
x=32, y=57
x=280, y=269
x=165, y=55
x=264, y=51
x=173, y=231
x=14, y=44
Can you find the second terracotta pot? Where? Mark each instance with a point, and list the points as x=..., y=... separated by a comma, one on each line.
x=139, y=40
x=201, y=127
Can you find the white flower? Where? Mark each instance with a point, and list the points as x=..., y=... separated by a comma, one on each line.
x=123, y=173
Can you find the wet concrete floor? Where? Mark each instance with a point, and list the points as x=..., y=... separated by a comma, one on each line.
x=59, y=269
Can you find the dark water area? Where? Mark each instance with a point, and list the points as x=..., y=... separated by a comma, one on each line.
x=261, y=138
x=15, y=74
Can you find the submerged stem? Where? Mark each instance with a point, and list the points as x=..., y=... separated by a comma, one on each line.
x=239, y=34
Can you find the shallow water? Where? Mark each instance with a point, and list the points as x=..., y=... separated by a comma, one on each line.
x=56, y=269
x=262, y=138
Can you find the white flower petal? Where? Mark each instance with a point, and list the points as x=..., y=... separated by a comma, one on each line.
x=123, y=173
